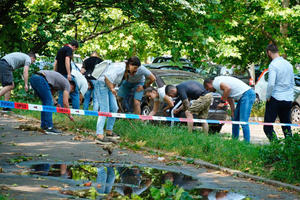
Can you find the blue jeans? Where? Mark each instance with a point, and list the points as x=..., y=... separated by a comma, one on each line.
x=74, y=96
x=43, y=90
x=108, y=103
x=242, y=113
x=106, y=177
x=87, y=98
x=126, y=87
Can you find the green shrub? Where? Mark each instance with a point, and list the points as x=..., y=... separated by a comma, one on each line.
x=282, y=158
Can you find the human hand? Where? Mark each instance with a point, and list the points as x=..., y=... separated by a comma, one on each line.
x=220, y=105
x=176, y=111
x=69, y=77
x=26, y=87
x=71, y=118
x=114, y=92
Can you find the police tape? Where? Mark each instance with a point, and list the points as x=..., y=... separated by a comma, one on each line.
x=53, y=109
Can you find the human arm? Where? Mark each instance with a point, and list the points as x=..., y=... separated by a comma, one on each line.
x=55, y=65
x=151, y=78
x=232, y=107
x=226, y=90
x=25, y=74
x=169, y=102
x=155, y=108
x=271, y=82
x=82, y=70
x=111, y=86
x=66, y=102
x=68, y=66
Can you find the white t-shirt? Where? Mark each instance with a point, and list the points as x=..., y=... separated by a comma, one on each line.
x=237, y=86
x=161, y=94
x=114, y=73
x=81, y=81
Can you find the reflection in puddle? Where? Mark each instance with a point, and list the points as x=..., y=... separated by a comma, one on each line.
x=115, y=181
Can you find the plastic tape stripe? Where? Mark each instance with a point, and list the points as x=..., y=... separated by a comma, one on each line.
x=35, y=107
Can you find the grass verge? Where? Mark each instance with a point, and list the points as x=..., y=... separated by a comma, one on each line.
x=279, y=161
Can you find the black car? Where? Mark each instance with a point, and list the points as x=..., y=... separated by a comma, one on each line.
x=175, y=77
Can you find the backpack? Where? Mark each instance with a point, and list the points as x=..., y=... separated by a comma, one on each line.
x=99, y=68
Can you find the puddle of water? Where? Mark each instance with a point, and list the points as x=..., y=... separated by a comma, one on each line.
x=115, y=181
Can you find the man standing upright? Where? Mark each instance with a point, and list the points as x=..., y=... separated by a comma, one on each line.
x=234, y=89
x=280, y=92
x=8, y=64
x=87, y=70
x=62, y=65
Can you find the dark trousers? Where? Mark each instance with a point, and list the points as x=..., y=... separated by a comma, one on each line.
x=283, y=110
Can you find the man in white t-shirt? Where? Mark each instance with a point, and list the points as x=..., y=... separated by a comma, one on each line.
x=158, y=96
x=233, y=89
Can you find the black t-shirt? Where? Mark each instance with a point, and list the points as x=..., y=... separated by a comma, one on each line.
x=190, y=90
x=89, y=65
x=61, y=59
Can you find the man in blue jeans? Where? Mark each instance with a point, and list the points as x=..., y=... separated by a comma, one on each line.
x=45, y=83
x=234, y=89
x=62, y=65
x=280, y=92
x=137, y=83
x=87, y=69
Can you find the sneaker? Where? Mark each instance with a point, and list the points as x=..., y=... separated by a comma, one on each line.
x=113, y=135
x=104, y=141
x=6, y=109
x=52, y=131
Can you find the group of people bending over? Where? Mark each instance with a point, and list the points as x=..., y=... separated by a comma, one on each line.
x=131, y=76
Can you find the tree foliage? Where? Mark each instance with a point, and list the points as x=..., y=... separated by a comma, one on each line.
x=225, y=32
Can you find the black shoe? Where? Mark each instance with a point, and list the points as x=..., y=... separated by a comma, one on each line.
x=6, y=109
x=52, y=131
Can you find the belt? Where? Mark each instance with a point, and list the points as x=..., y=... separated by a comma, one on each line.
x=43, y=75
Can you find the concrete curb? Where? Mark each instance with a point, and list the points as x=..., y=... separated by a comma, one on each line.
x=234, y=172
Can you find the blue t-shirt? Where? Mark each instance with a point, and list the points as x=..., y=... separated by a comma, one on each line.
x=139, y=76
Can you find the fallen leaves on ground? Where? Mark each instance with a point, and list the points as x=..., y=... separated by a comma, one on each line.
x=25, y=127
x=275, y=196
x=54, y=188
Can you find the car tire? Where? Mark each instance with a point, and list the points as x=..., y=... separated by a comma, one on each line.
x=146, y=110
x=215, y=129
x=295, y=114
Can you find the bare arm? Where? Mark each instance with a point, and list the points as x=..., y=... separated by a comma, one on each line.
x=25, y=74
x=169, y=102
x=155, y=108
x=111, y=86
x=55, y=65
x=68, y=67
x=151, y=79
x=232, y=107
x=82, y=70
x=226, y=90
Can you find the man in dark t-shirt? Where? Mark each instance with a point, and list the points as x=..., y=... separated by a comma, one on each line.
x=87, y=69
x=62, y=65
x=187, y=91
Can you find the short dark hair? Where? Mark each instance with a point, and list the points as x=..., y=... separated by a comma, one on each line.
x=272, y=47
x=149, y=89
x=32, y=55
x=169, y=88
x=74, y=43
x=208, y=80
x=134, y=60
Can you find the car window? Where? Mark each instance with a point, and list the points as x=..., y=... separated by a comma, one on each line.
x=239, y=72
x=176, y=79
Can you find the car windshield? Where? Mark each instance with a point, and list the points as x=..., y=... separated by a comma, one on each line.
x=177, y=79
